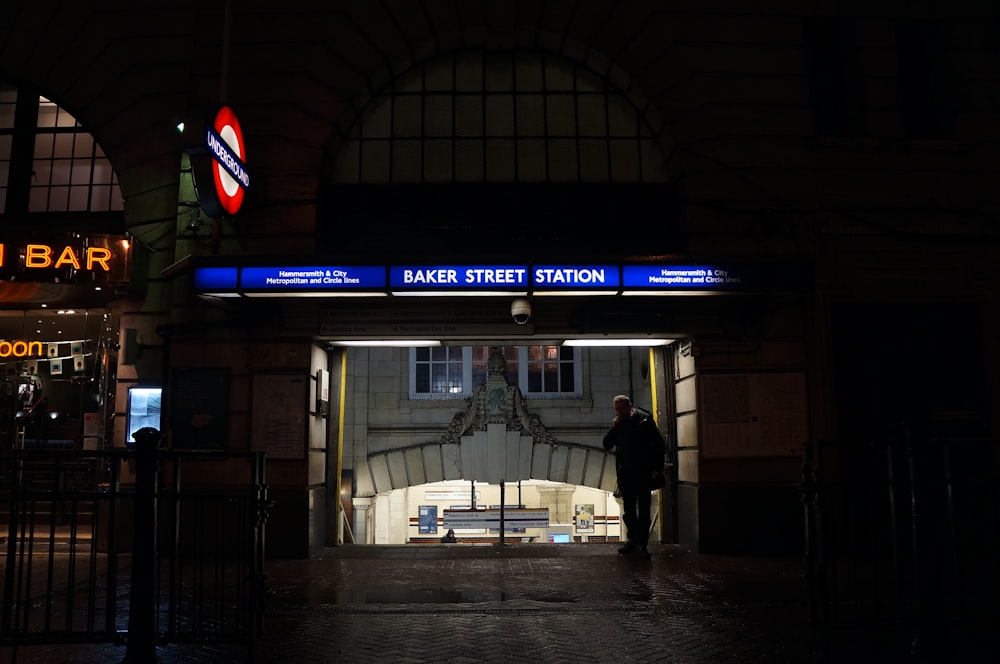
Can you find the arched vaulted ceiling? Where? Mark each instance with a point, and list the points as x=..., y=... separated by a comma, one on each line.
x=724, y=86
x=298, y=71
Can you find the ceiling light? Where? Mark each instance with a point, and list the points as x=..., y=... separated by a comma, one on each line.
x=395, y=343
x=617, y=342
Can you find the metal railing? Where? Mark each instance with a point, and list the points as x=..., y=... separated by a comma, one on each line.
x=901, y=544
x=89, y=558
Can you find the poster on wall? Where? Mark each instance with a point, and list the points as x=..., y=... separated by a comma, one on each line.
x=199, y=408
x=280, y=407
x=428, y=523
x=585, y=518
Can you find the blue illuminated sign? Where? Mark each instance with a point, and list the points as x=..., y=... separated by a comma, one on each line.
x=458, y=277
x=697, y=277
x=215, y=278
x=323, y=277
x=572, y=277
x=549, y=279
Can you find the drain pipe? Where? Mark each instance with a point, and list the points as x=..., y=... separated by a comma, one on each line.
x=503, y=505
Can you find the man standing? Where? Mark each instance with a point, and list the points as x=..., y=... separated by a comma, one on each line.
x=639, y=453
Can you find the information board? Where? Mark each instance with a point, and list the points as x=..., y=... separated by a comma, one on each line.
x=513, y=519
x=278, y=420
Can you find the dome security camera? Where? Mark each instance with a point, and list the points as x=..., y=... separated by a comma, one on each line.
x=520, y=311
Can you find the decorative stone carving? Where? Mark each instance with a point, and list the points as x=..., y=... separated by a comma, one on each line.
x=496, y=402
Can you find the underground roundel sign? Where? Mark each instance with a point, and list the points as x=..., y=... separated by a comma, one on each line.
x=225, y=141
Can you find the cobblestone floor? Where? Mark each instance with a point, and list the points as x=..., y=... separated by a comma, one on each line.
x=533, y=602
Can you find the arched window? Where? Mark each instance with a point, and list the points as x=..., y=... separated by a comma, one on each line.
x=48, y=162
x=500, y=117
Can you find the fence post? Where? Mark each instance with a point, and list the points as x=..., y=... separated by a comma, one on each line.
x=140, y=644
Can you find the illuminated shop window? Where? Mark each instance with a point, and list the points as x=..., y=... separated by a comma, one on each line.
x=49, y=162
x=451, y=372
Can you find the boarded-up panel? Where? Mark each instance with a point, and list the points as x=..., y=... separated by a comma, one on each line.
x=380, y=473
x=397, y=470
x=451, y=460
x=560, y=462
x=686, y=395
x=415, y=467
x=609, y=479
x=753, y=415
x=496, y=453
x=526, y=446
x=687, y=430
x=594, y=468
x=576, y=465
x=475, y=459
x=518, y=455
x=540, y=461
x=433, y=468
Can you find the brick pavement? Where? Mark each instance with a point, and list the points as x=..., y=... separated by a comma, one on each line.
x=543, y=603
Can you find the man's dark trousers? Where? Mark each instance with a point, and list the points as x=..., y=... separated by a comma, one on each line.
x=635, y=511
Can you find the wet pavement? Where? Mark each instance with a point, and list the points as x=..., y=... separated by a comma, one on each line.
x=461, y=603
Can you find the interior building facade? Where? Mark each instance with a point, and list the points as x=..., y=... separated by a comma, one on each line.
x=306, y=229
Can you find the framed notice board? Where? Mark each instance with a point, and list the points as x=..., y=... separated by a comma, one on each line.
x=278, y=415
x=199, y=408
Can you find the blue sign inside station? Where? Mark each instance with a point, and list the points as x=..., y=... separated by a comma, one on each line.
x=323, y=277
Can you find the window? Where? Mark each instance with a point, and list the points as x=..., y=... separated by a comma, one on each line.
x=48, y=162
x=439, y=371
x=519, y=116
x=452, y=372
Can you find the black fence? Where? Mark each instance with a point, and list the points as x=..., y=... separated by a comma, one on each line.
x=901, y=547
x=132, y=547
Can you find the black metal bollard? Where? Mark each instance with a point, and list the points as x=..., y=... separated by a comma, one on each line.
x=140, y=644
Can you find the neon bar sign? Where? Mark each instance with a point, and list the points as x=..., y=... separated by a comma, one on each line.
x=40, y=256
x=79, y=257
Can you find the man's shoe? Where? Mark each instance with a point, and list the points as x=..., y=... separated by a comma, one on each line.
x=628, y=548
x=642, y=551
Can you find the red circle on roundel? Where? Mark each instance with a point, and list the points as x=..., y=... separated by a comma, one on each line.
x=229, y=191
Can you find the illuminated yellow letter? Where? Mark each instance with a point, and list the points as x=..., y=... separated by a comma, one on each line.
x=38, y=255
x=99, y=256
x=68, y=256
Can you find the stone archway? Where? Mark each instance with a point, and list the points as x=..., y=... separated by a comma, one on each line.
x=496, y=438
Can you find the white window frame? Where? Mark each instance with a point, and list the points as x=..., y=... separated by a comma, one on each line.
x=522, y=374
